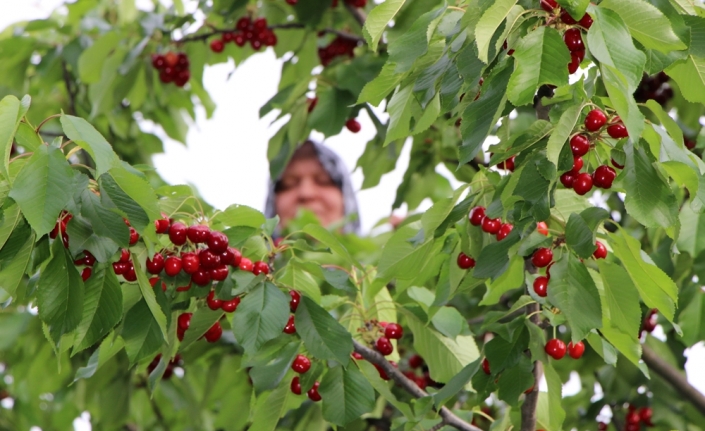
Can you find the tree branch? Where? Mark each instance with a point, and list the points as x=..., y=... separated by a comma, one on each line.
x=528, y=409
x=674, y=377
x=358, y=14
x=449, y=418
x=70, y=89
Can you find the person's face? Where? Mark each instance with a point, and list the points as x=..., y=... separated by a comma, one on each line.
x=306, y=184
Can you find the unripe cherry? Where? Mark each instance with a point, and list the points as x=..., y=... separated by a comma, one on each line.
x=594, y=120
x=542, y=257
x=465, y=261
x=555, y=348
x=576, y=350
x=542, y=228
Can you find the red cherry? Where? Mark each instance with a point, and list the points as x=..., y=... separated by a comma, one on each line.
x=230, y=306
x=574, y=62
x=582, y=183
x=632, y=418
x=134, y=236
x=555, y=348
x=579, y=145
x=237, y=256
x=243, y=23
x=477, y=215
x=603, y=176
x=89, y=259
x=296, y=385
x=301, y=364
x=86, y=273
x=384, y=346
x=158, y=61
x=219, y=273
x=228, y=256
x=577, y=165
x=416, y=361
x=313, y=394
x=184, y=321
x=542, y=257
x=198, y=233
x=239, y=39
x=465, y=261
x=541, y=286
x=171, y=59
x=601, y=251
x=509, y=163
x=645, y=414
x=617, y=131
x=594, y=120
x=119, y=268
x=567, y=19
x=260, y=267
x=184, y=288
x=214, y=333
x=130, y=274
x=357, y=356
x=218, y=242
x=213, y=302
x=576, y=350
x=394, y=331
x=353, y=125
x=542, y=228
x=382, y=374
x=491, y=226
x=573, y=40
x=124, y=255
x=549, y=5
x=290, y=327
x=155, y=264
x=246, y=264
x=177, y=233
x=217, y=45
x=486, y=366
x=208, y=259
x=201, y=277
x=161, y=225
x=172, y=266
x=190, y=262
x=292, y=2
x=616, y=165
x=586, y=21
x=295, y=299
x=504, y=230
x=260, y=24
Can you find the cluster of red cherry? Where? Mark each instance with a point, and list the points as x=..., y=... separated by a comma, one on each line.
x=557, y=349
x=60, y=227
x=603, y=176
x=169, y=371
x=572, y=37
x=212, y=335
x=338, y=47
x=391, y=331
x=654, y=87
x=172, y=67
x=634, y=418
x=290, y=327
x=246, y=30
x=301, y=365
x=416, y=362
x=543, y=257
x=493, y=226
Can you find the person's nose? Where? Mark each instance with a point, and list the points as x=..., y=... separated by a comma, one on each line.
x=307, y=189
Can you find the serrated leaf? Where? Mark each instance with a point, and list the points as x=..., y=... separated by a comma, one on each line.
x=377, y=21
x=621, y=297
x=102, y=307
x=272, y=362
x=323, y=336
x=512, y=278
x=90, y=62
x=269, y=408
x=488, y=24
x=573, y=291
x=88, y=138
x=11, y=112
x=261, y=316
x=239, y=215
x=646, y=24
x=413, y=44
x=140, y=192
x=457, y=383
x=150, y=298
x=400, y=258
x=689, y=74
x=494, y=258
x=103, y=221
x=141, y=332
x=346, y=395
x=325, y=237
x=15, y=255
x=43, y=188
x=376, y=90
x=515, y=380
x=562, y=132
x=541, y=58
x=399, y=110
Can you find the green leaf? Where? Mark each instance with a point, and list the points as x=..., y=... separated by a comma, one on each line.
x=622, y=298
x=43, y=188
x=332, y=110
x=611, y=44
x=646, y=24
x=505, y=353
x=449, y=322
x=239, y=215
x=377, y=21
x=377, y=89
x=270, y=407
x=15, y=255
x=512, y=278
x=87, y=137
x=105, y=222
x=649, y=199
x=456, y=384
x=141, y=332
x=515, y=380
x=445, y=357
x=272, y=362
x=150, y=298
x=11, y=112
x=480, y=117
x=322, y=335
x=9, y=217
x=656, y=289
x=689, y=74
x=573, y=291
x=553, y=420
x=692, y=233
x=297, y=278
x=576, y=8
x=82, y=237
x=562, y=132
x=580, y=230
x=27, y=137
x=489, y=23
x=261, y=316
x=102, y=307
x=400, y=258
x=328, y=239
x=399, y=109
x=108, y=348
x=692, y=319
x=439, y=212
x=541, y=58
x=622, y=98
x=201, y=321
x=346, y=395
x=381, y=386
x=60, y=293
x=131, y=194
x=414, y=43
x=493, y=260
x=90, y=63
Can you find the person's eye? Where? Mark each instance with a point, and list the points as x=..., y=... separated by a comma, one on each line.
x=324, y=180
x=287, y=184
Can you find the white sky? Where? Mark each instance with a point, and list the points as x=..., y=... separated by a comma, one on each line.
x=225, y=156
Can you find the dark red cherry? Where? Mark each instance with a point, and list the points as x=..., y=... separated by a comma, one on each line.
x=184, y=321
x=172, y=266
x=577, y=165
x=177, y=233
x=313, y=394
x=541, y=286
x=384, y=346
x=603, y=176
x=594, y=120
x=208, y=259
x=230, y=306
x=219, y=273
x=295, y=299
x=582, y=183
x=155, y=264
x=198, y=233
x=213, y=302
x=217, y=242
x=573, y=39
x=214, y=333
x=617, y=131
x=576, y=350
x=201, y=277
x=190, y=262
x=491, y=226
x=549, y=5
x=290, y=327
x=504, y=230
x=586, y=21
x=393, y=331
x=579, y=145
x=601, y=251
x=477, y=215
x=260, y=267
x=555, y=348
x=296, y=385
x=486, y=366
x=567, y=180
x=465, y=261
x=134, y=236
x=542, y=257
x=301, y=364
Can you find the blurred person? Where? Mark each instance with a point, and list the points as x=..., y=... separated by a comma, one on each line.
x=317, y=180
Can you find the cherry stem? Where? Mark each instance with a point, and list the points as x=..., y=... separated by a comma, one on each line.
x=51, y=117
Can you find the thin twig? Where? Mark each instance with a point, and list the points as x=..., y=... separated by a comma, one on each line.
x=357, y=13
x=674, y=377
x=449, y=418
